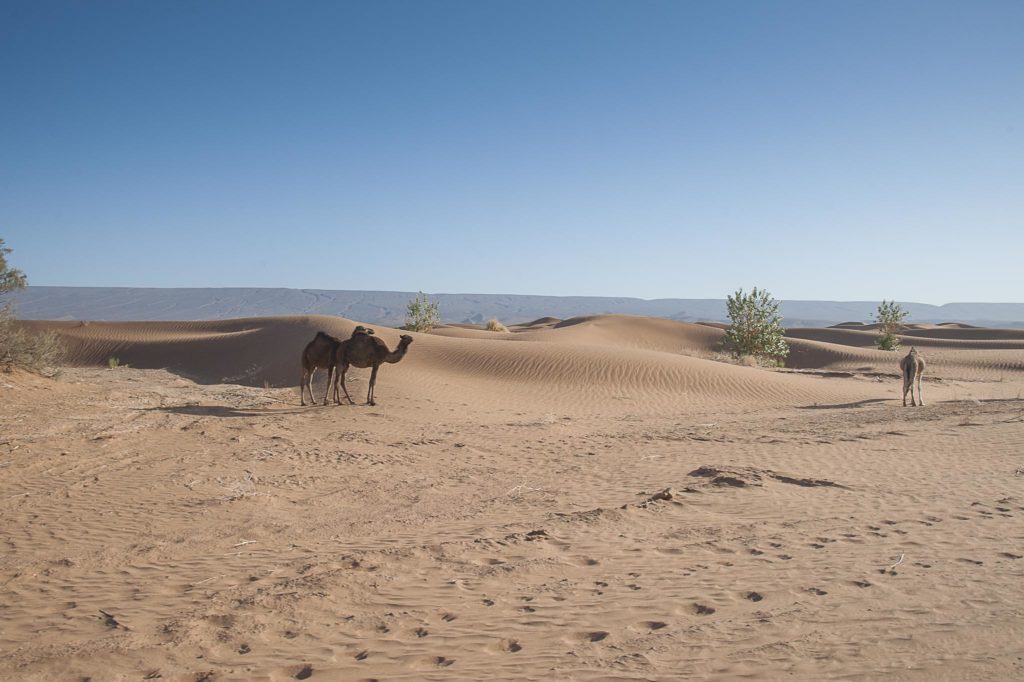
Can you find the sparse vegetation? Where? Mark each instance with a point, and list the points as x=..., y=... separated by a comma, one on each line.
x=890, y=318
x=756, y=329
x=494, y=325
x=422, y=314
x=113, y=363
x=19, y=347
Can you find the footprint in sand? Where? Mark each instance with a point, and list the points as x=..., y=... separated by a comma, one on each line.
x=815, y=590
x=703, y=610
x=304, y=673
x=510, y=646
x=754, y=596
x=244, y=649
x=448, y=617
x=362, y=655
x=653, y=625
x=420, y=632
x=596, y=636
x=1008, y=555
x=862, y=583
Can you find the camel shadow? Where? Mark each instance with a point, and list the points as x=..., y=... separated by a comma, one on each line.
x=226, y=411
x=842, y=406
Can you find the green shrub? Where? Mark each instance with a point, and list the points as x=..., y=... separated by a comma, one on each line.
x=113, y=363
x=756, y=329
x=422, y=314
x=494, y=325
x=890, y=316
x=38, y=352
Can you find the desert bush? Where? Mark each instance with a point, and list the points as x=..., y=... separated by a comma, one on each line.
x=38, y=352
x=756, y=329
x=494, y=325
x=422, y=314
x=890, y=316
x=113, y=363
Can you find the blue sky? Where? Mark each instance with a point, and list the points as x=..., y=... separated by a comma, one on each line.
x=822, y=150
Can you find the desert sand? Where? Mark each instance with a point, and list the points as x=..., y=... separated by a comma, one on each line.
x=500, y=513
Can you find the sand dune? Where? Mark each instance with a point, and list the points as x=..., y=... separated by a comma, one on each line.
x=502, y=512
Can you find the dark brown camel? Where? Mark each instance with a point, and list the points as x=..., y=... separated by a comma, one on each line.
x=320, y=353
x=365, y=350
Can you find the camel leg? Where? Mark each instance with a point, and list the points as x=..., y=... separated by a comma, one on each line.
x=373, y=382
x=920, y=396
x=309, y=385
x=327, y=390
x=906, y=385
x=341, y=371
x=302, y=387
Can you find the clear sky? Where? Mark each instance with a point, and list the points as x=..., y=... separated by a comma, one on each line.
x=822, y=150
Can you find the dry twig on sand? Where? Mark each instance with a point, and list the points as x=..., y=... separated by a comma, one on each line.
x=892, y=569
x=518, y=490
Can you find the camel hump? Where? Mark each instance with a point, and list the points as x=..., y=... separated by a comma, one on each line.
x=323, y=334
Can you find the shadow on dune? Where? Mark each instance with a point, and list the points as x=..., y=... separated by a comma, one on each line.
x=227, y=411
x=840, y=406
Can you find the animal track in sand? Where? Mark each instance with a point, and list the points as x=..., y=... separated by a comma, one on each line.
x=448, y=617
x=1008, y=555
x=971, y=561
x=703, y=610
x=244, y=649
x=815, y=590
x=510, y=646
x=754, y=596
x=487, y=602
x=440, y=661
x=653, y=625
x=420, y=632
x=862, y=583
x=304, y=673
x=596, y=636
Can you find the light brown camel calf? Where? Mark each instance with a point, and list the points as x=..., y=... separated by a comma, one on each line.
x=912, y=367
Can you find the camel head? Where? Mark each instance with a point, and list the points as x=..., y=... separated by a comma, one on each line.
x=404, y=340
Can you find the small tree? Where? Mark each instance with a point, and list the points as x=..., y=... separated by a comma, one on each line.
x=18, y=347
x=422, y=314
x=890, y=318
x=756, y=328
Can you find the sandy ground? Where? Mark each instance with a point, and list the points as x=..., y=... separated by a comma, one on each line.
x=183, y=518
